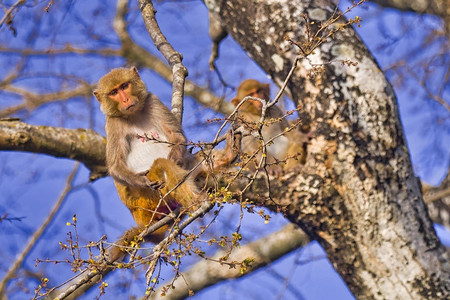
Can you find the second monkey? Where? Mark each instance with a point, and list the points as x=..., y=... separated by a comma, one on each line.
x=287, y=150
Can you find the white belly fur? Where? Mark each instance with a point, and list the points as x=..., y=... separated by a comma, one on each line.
x=279, y=147
x=143, y=153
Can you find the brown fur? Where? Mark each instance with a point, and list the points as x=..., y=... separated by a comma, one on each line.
x=120, y=127
x=149, y=206
x=289, y=147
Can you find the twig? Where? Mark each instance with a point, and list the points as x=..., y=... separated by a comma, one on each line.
x=90, y=277
x=158, y=249
x=10, y=10
x=263, y=252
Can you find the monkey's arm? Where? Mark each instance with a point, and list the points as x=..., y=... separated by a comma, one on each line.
x=178, y=150
x=117, y=149
x=224, y=158
x=120, y=172
x=172, y=129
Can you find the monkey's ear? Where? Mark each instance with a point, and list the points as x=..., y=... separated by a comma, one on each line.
x=235, y=101
x=134, y=69
x=97, y=95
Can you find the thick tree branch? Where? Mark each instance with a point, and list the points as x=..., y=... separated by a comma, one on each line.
x=357, y=194
x=83, y=145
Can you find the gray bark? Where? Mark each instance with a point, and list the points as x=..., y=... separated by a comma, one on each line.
x=357, y=194
x=83, y=145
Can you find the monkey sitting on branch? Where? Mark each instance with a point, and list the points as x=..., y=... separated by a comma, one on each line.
x=146, y=155
x=286, y=149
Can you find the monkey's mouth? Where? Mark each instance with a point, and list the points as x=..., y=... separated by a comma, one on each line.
x=131, y=107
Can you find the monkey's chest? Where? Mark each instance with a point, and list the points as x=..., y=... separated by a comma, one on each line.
x=144, y=149
x=277, y=148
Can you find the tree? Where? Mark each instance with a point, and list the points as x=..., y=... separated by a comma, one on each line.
x=357, y=194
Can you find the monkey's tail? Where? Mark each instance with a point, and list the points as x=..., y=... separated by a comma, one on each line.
x=124, y=244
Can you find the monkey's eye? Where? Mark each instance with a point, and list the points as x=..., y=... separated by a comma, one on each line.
x=124, y=85
x=113, y=92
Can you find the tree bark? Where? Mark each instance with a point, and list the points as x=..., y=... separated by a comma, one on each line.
x=83, y=145
x=357, y=194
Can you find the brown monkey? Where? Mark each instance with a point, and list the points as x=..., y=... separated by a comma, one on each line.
x=141, y=131
x=145, y=151
x=287, y=147
x=139, y=128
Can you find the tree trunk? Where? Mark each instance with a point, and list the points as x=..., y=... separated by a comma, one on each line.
x=357, y=194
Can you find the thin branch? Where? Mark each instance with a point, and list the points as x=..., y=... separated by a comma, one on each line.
x=8, y=14
x=35, y=237
x=158, y=249
x=33, y=100
x=209, y=272
x=436, y=196
x=90, y=278
x=174, y=58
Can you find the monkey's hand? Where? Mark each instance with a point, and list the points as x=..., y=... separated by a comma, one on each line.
x=156, y=185
x=178, y=154
x=143, y=181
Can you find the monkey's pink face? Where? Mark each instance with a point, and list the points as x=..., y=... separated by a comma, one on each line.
x=258, y=93
x=122, y=95
x=257, y=104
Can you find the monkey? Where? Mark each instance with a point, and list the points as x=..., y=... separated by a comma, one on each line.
x=286, y=148
x=146, y=154
x=132, y=116
x=145, y=148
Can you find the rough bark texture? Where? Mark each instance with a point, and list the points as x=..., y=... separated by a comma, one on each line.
x=357, y=194
x=83, y=145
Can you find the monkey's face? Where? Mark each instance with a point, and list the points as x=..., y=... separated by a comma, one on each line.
x=122, y=95
x=252, y=107
x=260, y=93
